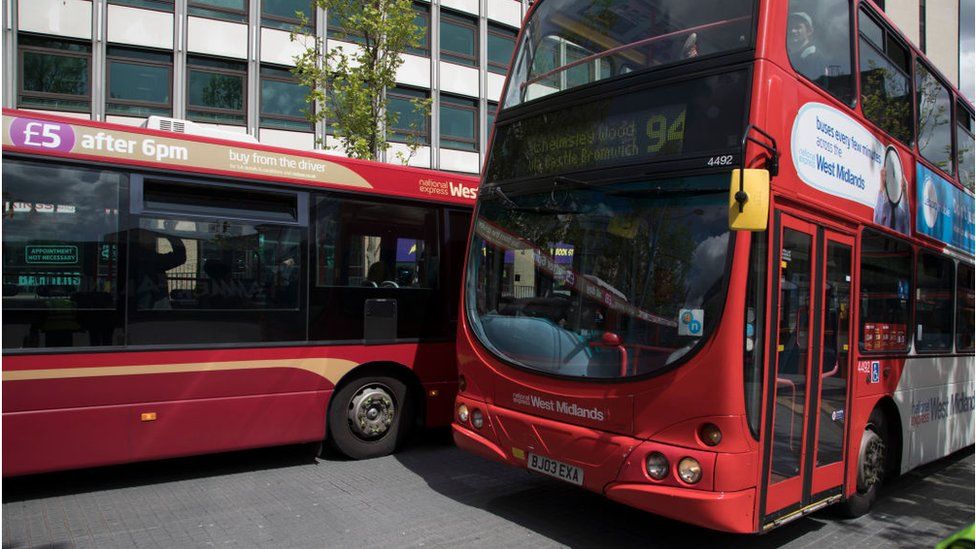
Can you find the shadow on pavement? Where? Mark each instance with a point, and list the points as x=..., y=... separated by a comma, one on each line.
x=154, y=472
x=579, y=518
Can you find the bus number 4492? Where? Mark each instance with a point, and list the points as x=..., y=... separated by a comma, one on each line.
x=724, y=160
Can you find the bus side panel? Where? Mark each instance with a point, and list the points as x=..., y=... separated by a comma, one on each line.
x=935, y=399
x=51, y=440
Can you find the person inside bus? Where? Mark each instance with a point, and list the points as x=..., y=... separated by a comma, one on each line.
x=802, y=47
x=151, y=266
x=375, y=275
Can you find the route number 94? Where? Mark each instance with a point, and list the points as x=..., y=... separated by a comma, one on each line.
x=724, y=160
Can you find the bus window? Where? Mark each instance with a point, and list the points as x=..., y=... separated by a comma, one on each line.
x=965, y=310
x=933, y=303
x=818, y=40
x=885, y=85
x=754, y=322
x=569, y=43
x=964, y=146
x=374, y=250
x=934, y=119
x=199, y=273
x=60, y=256
x=886, y=277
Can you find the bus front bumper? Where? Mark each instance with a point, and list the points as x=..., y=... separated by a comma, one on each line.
x=726, y=511
x=729, y=511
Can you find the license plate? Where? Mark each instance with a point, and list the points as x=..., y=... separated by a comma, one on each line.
x=556, y=469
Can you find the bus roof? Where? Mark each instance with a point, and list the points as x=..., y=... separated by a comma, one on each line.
x=50, y=135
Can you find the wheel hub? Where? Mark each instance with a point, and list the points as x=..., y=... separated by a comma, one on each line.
x=872, y=462
x=372, y=411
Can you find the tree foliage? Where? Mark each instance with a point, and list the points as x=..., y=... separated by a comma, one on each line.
x=348, y=85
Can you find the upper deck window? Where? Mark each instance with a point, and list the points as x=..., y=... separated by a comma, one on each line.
x=818, y=40
x=569, y=43
x=886, y=86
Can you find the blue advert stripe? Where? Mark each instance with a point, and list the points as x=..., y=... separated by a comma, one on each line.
x=944, y=211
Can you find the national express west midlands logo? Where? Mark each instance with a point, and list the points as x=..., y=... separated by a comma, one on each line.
x=937, y=408
x=447, y=188
x=558, y=406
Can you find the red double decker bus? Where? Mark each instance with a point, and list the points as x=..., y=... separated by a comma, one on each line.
x=733, y=355
x=166, y=294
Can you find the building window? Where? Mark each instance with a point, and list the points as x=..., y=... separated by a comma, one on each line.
x=216, y=90
x=964, y=146
x=282, y=14
x=55, y=74
x=140, y=82
x=492, y=111
x=934, y=278
x=921, y=25
x=886, y=280
x=228, y=10
x=283, y=100
x=459, y=123
x=934, y=118
x=159, y=5
x=501, y=44
x=334, y=27
x=459, y=40
x=885, y=83
x=818, y=40
x=422, y=20
x=409, y=123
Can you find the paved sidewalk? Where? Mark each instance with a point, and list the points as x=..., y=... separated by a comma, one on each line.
x=431, y=495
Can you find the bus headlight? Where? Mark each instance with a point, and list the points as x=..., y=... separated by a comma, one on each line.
x=657, y=465
x=477, y=419
x=462, y=412
x=689, y=470
x=710, y=434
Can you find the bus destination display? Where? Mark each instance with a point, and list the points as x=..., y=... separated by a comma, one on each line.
x=642, y=126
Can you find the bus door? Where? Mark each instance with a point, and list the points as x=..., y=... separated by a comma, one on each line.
x=807, y=390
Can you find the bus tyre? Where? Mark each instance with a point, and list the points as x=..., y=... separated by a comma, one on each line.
x=368, y=417
x=871, y=464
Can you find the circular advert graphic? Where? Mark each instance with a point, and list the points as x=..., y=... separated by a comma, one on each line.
x=893, y=175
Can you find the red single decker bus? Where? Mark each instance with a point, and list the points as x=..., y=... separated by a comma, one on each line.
x=167, y=294
x=721, y=266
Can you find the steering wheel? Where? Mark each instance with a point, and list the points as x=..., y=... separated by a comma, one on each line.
x=389, y=284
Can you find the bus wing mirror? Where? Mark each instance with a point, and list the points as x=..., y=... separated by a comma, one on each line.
x=749, y=200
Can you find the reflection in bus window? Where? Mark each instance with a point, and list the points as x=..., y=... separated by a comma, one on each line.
x=885, y=86
x=819, y=44
x=965, y=146
x=556, y=270
x=60, y=256
x=214, y=264
x=934, y=119
x=569, y=43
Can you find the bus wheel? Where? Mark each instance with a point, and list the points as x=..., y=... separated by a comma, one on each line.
x=367, y=417
x=871, y=464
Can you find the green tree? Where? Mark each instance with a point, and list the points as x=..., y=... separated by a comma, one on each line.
x=349, y=85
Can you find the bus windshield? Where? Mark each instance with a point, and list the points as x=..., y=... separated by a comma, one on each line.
x=606, y=281
x=568, y=43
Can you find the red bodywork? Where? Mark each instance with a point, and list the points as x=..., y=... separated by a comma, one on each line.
x=664, y=413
